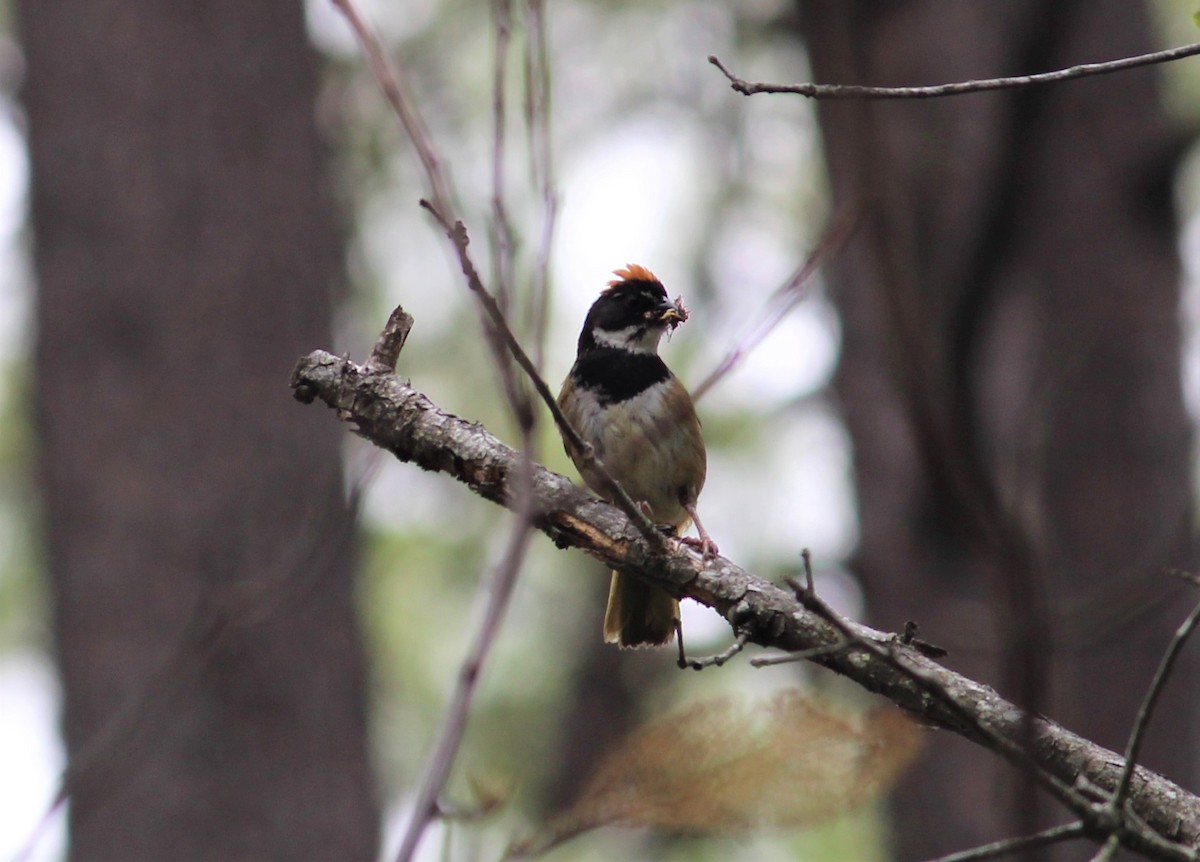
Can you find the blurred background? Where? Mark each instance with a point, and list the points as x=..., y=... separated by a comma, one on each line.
x=243, y=625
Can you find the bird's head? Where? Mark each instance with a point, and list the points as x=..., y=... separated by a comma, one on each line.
x=631, y=314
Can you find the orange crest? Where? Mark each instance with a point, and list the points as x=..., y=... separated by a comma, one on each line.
x=632, y=272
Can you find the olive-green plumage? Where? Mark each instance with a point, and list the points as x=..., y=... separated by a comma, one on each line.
x=641, y=423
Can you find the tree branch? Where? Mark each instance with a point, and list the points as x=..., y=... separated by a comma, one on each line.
x=394, y=416
x=1009, y=846
x=1137, y=735
x=853, y=91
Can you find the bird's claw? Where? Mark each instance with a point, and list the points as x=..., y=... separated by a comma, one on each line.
x=707, y=547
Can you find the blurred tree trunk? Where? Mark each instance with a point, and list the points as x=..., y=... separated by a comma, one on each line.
x=604, y=704
x=1011, y=371
x=199, y=544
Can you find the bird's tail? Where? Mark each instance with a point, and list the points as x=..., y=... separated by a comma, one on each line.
x=639, y=614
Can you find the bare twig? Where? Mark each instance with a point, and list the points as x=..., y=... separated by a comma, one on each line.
x=537, y=96
x=439, y=205
x=1019, y=751
x=437, y=178
x=501, y=236
x=499, y=593
x=1133, y=749
x=505, y=575
x=784, y=299
x=1108, y=849
x=541, y=155
x=40, y=829
x=386, y=352
x=854, y=91
x=1009, y=846
x=739, y=643
x=1016, y=752
x=457, y=233
x=1110, y=820
x=406, y=112
x=426, y=808
x=798, y=655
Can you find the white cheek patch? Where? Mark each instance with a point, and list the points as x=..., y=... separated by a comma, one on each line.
x=636, y=339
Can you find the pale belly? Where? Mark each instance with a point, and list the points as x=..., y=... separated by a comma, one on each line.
x=659, y=461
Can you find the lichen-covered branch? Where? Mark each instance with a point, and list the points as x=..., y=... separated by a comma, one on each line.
x=393, y=415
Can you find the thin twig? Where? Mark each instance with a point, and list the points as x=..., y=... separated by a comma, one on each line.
x=537, y=96
x=541, y=162
x=739, y=643
x=1009, y=846
x=1136, y=736
x=1017, y=753
x=1108, y=850
x=784, y=299
x=499, y=593
x=541, y=154
x=1109, y=819
x=505, y=575
x=501, y=236
x=425, y=809
x=406, y=112
x=854, y=91
x=457, y=233
x=437, y=177
x=540, y=286
x=439, y=205
x=798, y=656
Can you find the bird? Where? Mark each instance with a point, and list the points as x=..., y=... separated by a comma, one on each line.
x=642, y=426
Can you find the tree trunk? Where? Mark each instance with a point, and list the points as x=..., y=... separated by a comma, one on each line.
x=1011, y=371
x=199, y=544
x=604, y=703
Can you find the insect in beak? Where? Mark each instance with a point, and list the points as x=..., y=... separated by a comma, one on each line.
x=673, y=314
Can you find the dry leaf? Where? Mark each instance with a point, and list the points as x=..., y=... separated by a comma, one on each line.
x=725, y=765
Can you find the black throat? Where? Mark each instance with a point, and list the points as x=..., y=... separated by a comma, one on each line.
x=614, y=375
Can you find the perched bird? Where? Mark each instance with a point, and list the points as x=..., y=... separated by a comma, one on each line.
x=623, y=400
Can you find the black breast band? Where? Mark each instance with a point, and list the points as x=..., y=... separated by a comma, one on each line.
x=613, y=374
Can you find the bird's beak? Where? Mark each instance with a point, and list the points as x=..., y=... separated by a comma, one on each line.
x=673, y=314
